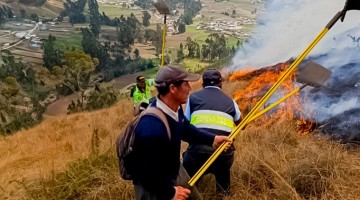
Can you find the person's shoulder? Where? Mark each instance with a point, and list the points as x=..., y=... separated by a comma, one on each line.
x=197, y=92
x=150, y=125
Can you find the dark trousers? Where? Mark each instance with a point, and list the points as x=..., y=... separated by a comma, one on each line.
x=182, y=180
x=193, y=161
x=142, y=194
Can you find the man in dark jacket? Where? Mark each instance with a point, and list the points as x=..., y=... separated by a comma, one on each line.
x=211, y=110
x=157, y=157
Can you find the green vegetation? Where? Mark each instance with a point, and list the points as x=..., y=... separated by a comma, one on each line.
x=74, y=9
x=151, y=72
x=198, y=35
x=52, y=56
x=113, y=51
x=70, y=43
x=116, y=11
x=194, y=65
x=6, y=13
x=232, y=41
x=95, y=18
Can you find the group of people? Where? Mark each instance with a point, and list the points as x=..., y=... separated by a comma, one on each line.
x=208, y=119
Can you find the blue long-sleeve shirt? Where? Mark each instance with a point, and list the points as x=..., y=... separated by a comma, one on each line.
x=157, y=157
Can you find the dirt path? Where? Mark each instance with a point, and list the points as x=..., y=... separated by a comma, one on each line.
x=59, y=107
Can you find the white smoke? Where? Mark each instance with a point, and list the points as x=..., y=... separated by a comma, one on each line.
x=287, y=28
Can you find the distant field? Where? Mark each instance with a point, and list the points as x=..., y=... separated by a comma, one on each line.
x=69, y=37
x=67, y=43
x=113, y=11
x=27, y=53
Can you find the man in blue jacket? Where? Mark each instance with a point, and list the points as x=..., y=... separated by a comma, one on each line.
x=211, y=110
x=157, y=157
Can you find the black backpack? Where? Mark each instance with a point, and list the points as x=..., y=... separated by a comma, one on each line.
x=125, y=141
x=132, y=91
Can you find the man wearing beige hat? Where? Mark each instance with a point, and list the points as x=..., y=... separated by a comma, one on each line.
x=156, y=156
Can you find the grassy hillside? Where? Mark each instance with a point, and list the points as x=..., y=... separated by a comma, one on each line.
x=73, y=157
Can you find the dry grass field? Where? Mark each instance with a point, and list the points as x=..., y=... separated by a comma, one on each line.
x=73, y=157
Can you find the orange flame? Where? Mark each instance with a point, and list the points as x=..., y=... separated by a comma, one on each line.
x=259, y=82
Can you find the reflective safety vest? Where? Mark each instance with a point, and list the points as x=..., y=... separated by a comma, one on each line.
x=211, y=109
x=213, y=120
x=145, y=96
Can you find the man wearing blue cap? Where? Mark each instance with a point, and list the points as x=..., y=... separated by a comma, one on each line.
x=211, y=110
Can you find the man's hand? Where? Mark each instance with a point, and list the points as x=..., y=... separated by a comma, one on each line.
x=219, y=139
x=181, y=193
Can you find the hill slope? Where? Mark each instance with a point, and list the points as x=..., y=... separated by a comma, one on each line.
x=55, y=143
x=56, y=160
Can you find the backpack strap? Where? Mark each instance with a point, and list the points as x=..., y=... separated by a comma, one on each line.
x=154, y=111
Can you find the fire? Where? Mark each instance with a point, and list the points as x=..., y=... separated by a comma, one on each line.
x=259, y=82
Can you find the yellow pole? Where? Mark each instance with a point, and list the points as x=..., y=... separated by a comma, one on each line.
x=163, y=42
x=262, y=101
x=274, y=104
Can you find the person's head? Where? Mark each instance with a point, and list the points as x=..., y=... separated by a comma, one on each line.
x=212, y=77
x=140, y=81
x=172, y=82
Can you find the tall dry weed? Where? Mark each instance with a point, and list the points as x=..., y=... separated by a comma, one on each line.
x=58, y=141
x=273, y=162
x=73, y=157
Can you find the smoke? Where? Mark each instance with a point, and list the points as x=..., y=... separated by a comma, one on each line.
x=285, y=29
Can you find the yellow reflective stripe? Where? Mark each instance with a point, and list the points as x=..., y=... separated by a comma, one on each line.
x=211, y=119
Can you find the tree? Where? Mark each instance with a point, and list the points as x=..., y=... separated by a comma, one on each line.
x=136, y=54
x=11, y=88
x=95, y=18
x=180, y=53
x=191, y=9
x=10, y=67
x=146, y=18
x=158, y=39
x=5, y=14
x=182, y=27
x=74, y=9
x=94, y=48
x=101, y=98
x=215, y=47
x=238, y=44
x=34, y=17
x=78, y=68
x=22, y=13
x=193, y=48
x=52, y=57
